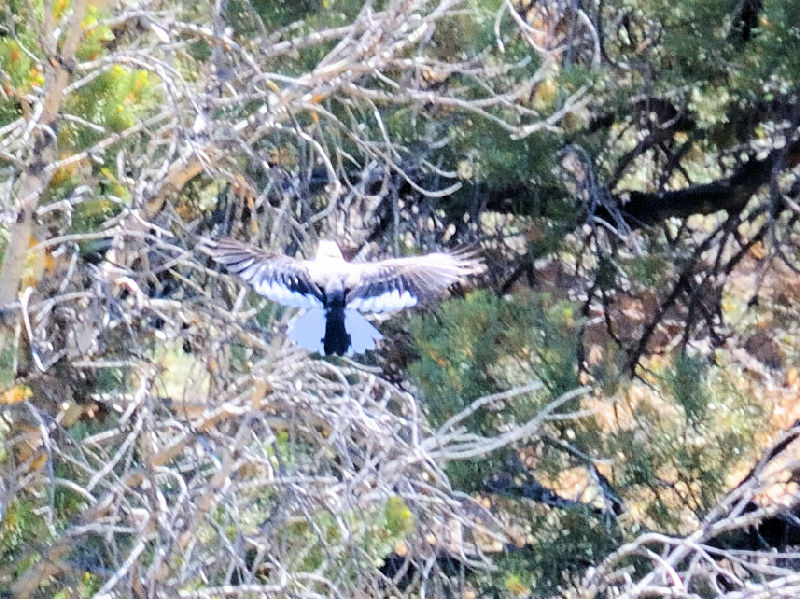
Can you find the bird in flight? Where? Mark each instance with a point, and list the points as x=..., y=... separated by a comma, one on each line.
x=334, y=291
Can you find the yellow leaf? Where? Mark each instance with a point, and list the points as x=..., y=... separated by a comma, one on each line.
x=544, y=95
x=758, y=251
x=515, y=586
x=792, y=376
x=34, y=266
x=17, y=394
x=39, y=461
x=70, y=414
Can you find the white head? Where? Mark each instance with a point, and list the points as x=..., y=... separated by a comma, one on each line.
x=328, y=250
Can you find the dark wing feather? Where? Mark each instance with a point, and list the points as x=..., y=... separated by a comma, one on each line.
x=399, y=283
x=273, y=275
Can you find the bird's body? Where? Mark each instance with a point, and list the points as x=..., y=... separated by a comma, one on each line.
x=334, y=291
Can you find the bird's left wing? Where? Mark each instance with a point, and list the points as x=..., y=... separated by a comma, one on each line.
x=275, y=276
x=403, y=282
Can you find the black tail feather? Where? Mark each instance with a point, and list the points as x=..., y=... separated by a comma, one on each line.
x=336, y=340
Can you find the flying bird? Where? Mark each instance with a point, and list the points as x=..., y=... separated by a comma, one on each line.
x=334, y=291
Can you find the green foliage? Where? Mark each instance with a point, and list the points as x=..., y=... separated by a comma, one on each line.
x=651, y=270
x=112, y=379
x=96, y=36
x=398, y=517
x=318, y=543
x=299, y=16
x=7, y=363
x=89, y=215
x=672, y=459
x=701, y=39
x=677, y=456
x=456, y=347
x=85, y=588
x=670, y=451
x=275, y=14
x=703, y=54
x=466, y=33
x=19, y=64
x=21, y=528
x=503, y=161
x=775, y=56
x=20, y=73
x=686, y=384
x=115, y=100
x=564, y=543
x=483, y=344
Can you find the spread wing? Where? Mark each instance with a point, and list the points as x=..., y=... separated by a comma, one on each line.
x=275, y=276
x=403, y=282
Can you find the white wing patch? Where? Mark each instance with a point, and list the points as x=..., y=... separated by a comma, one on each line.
x=308, y=330
x=278, y=292
x=249, y=272
x=389, y=301
x=362, y=334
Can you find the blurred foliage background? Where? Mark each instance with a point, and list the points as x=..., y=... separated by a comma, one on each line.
x=609, y=411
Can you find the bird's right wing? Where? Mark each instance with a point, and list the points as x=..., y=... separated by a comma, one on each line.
x=403, y=282
x=275, y=276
